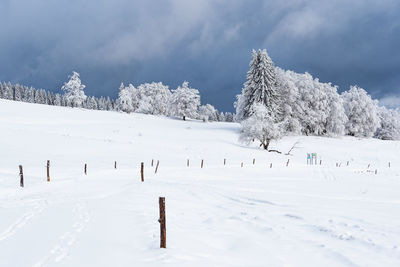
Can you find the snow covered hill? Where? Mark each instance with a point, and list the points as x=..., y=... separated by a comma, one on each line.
x=295, y=215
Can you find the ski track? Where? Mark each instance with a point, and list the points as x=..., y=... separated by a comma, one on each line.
x=62, y=249
x=23, y=220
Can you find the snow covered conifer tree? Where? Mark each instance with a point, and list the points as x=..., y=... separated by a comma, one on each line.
x=260, y=126
x=124, y=100
x=260, y=87
x=185, y=101
x=73, y=89
x=362, y=112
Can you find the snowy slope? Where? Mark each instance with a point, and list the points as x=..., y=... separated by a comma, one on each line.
x=218, y=216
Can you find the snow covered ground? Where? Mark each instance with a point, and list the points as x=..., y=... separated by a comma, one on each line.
x=220, y=215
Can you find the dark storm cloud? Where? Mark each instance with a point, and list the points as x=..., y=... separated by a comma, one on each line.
x=205, y=42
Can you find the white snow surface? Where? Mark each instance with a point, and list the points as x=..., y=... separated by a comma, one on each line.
x=296, y=215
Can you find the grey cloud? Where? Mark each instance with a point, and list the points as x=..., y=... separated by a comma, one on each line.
x=205, y=42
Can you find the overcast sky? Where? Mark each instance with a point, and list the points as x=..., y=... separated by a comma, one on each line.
x=207, y=43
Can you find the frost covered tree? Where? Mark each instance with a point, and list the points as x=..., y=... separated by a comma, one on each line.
x=389, y=127
x=260, y=126
x=362, y=112
x=310, y=106
x=73, y=90
x=153, y=98
x=229, y=117
x=184, y=101
x=260, y=87
x=124, y=100
x=208, y=113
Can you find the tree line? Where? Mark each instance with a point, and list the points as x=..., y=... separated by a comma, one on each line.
x=276, y=102
x=149, y=98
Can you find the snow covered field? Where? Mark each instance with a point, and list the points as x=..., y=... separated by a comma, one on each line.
x=220, y=215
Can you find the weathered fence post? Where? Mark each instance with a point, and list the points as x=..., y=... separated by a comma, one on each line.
x=161, y=220
x=48, y=170
x=85, y=169
x=152, y=162
x=241, y=165
x=115, y=164
x=389, y=164
x=158, y=162
x=202, y=163
x=187, y=162
x=142, y=171
x=224, y=162
x=348, y=163
x=254, y=161
x=21, y=175
x=287, y=163
x=376, y=171
x=320, y=162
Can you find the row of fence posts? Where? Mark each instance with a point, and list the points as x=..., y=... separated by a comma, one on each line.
x=162, y=218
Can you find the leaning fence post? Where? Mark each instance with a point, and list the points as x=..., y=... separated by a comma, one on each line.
x=161, y=220
x=287, y=163
x=21, y=175
x=48, y=170
x=158, y=162
x=85, y=169
x=142, y=171
x=202, y=163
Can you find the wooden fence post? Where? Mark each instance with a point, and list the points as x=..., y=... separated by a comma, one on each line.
x=187, y=162
x=161, y=220
x=287, y=163
x=85, y=169
x=224, y=162
x=270, y=166
x=389, y=164
x=152, y=162
x=158, y=162
x=320, y=162
x=347, y=163
x=241, y=165
x=376, y=171
x=21, y=175
x=368, y=165
x=115, y=164
x=202, y=163
x=254, y=161
x=48, y=170
x=142, y=171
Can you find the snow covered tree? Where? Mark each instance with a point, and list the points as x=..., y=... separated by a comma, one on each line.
x=153, y=98
x=309, y=106
x=389, y=128
x=260, y=87
x=124, y=100
x=362, y=112
x=184, y=101
x=208, y=113
x=73, y=89
x=260, y=126
x=229, y=117
x=292, y=106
